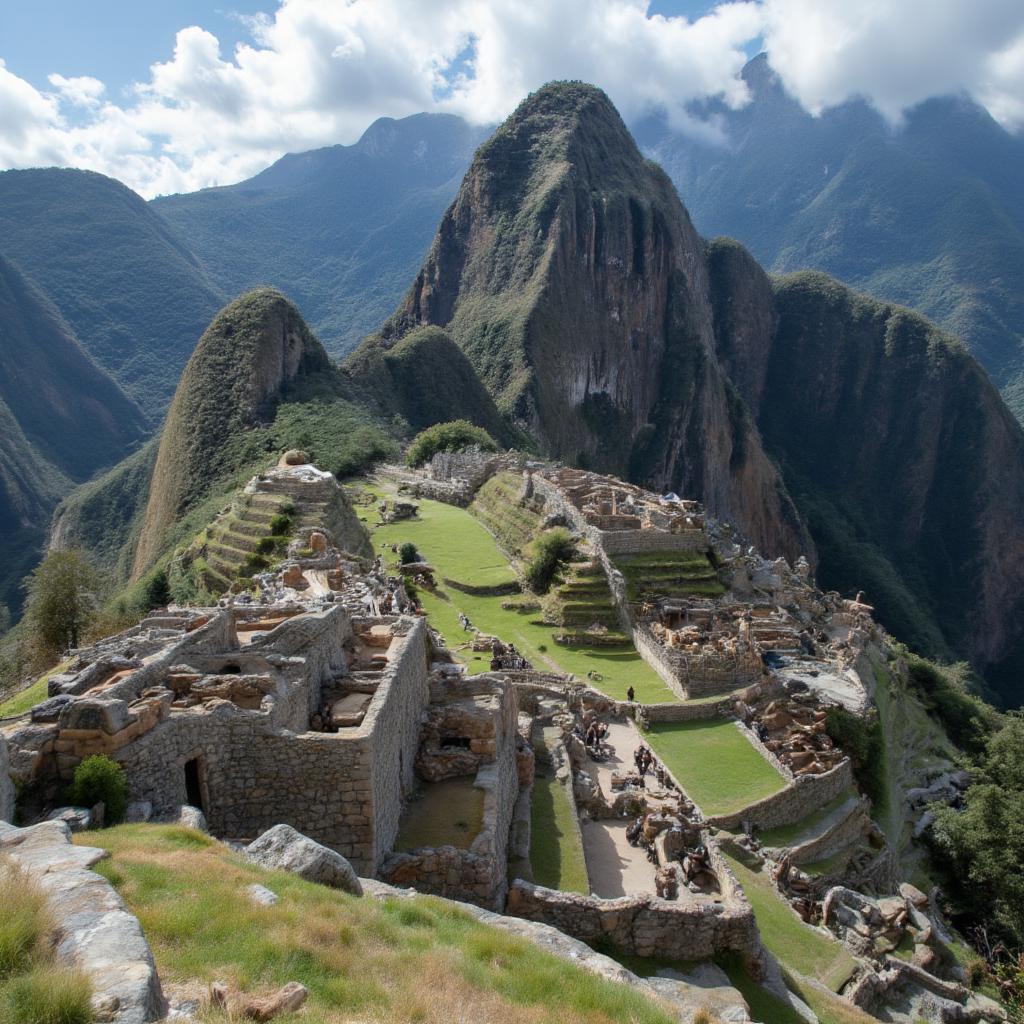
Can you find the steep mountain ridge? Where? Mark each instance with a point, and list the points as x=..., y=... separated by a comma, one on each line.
x=248, y=355
x=120, y=275
x=569, y=273
x=929, y=214
x=896, y=447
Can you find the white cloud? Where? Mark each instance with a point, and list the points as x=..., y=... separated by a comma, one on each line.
x=896, y=53
x=317, y=73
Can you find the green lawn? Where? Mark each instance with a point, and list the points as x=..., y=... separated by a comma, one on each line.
x=796, y=945
x=460, y=548
x=418, y=959
x=32, y=695
x=556, y=848
x=715, y=764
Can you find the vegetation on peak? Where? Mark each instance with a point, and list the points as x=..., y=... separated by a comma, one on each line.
x=423, y=378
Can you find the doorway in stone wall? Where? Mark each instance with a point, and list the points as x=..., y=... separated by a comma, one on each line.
x=194, y=783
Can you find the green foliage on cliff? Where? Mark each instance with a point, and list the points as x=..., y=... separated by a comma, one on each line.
x=981, y=847
x=448, y=437
x=423, y=379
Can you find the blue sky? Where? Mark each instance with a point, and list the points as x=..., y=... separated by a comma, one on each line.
x=116, y=41
x=155, y=92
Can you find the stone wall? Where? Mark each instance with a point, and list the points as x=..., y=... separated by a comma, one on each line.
x=694, y=676
x=803, y=796
x=691, y=928
x=7, y=792
x=343, y=789
x=479, y=874
x=703, y=711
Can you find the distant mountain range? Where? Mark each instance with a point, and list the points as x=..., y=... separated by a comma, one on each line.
x=756, y=419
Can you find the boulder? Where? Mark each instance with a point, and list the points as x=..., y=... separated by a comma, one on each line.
x=49, y=710
x=293, y=457
x=261, y=895
x=78, y=819
x=286, y=849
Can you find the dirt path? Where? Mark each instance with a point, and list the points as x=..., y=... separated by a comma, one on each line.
x=615, y=868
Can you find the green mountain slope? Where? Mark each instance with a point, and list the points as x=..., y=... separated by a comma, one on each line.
x=929, y=215
x=341, y=230
x=898, y=450
x=61, y=419
x=122, y=278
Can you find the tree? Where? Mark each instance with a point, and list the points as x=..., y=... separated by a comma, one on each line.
x=407, y=553
x=158, y=590
x=547, y=554
x=448, y=437
x=61, y=601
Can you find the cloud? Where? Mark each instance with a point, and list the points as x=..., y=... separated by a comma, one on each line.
x=315, y=74
x=896, y=53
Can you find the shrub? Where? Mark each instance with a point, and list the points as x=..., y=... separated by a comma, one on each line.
x=254, y=563
x=49, y=995
x=281, y=524
x=862, y=739
x=158, y=590
x=96, y=779
x=407, y=553
x=448, y=437
x=547, y=554
x=268, y=545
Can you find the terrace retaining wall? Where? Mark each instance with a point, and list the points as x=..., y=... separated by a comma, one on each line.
x=803, y=796
x=691, y=928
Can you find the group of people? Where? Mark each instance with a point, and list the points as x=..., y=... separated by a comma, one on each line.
x=595, y=733
x=464, y=622
x=505, y=657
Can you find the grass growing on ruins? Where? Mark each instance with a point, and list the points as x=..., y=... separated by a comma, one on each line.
x=417, y=959
x=556, y=850
x=799, y=947
x=715, y=764
x=448, y=813
x=34, y=987
x=460, y=548
x=28, y=698
x=806, y=828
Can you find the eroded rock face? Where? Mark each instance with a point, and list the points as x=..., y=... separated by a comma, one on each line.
x=285, y=849
x=7, y=792
x=892, y=435
x=570, y=274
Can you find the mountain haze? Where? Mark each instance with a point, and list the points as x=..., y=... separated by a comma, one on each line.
x=341, y=230
x=120, y=275
x=929, y=214
x=61, y=419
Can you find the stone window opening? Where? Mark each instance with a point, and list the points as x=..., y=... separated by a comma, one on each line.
x=455, y=742
x=230, y=669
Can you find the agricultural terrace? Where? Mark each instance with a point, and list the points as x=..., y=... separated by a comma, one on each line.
x=460, y=549
x=715, y=764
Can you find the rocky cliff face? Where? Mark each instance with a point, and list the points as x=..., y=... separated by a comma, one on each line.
x=569, y=273
x=251, y=352
x=898, y=450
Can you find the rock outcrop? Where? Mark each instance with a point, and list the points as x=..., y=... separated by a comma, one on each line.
x=251, y=352
x=285, y=849
x=569, y=273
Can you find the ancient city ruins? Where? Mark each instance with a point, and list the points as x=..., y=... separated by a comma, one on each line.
x=323, y=699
